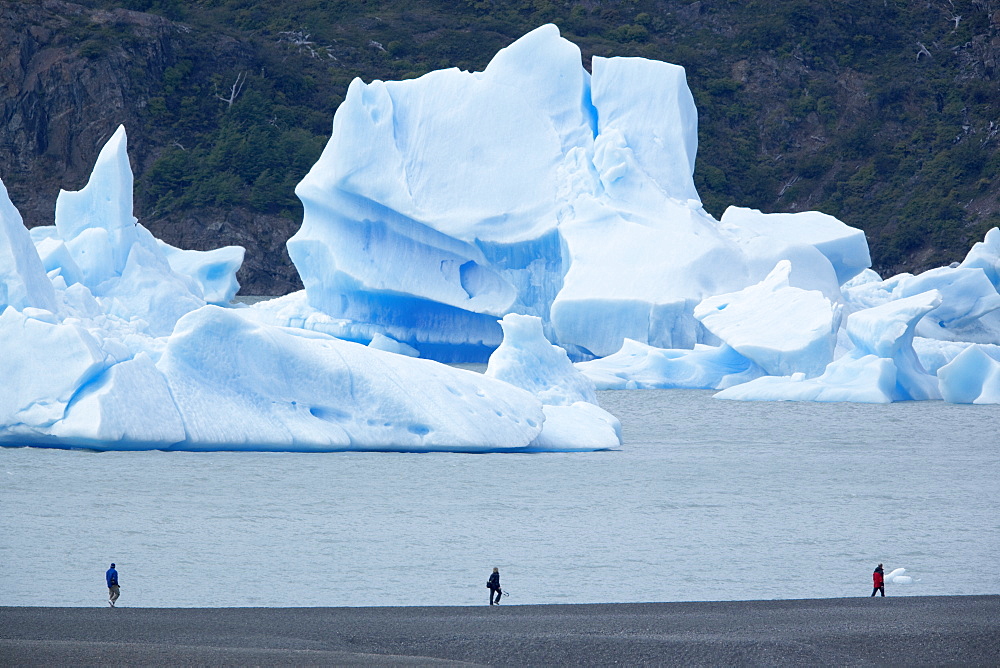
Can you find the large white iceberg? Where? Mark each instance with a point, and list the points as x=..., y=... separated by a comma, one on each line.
x=537, y=188
x=112, y=342
x=533, y=187
x=454, y=217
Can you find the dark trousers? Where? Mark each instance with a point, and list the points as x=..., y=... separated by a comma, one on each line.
x=879, y=589
x=495, y=592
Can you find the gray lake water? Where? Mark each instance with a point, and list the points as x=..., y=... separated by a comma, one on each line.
x=706, y=500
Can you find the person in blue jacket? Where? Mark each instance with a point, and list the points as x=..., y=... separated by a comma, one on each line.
x=493, y=584
x=113, y=590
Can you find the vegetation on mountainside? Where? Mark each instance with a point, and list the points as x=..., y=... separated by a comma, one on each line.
x=884, y=114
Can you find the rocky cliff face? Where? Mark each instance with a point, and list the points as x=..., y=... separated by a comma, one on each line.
x=65, y=90
x=69, y=76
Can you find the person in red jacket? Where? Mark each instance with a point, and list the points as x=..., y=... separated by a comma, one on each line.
x=878, y=580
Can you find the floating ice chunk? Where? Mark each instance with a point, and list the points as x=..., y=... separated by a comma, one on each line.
x=23, y=280
x=127, y=407
x=882, y=366
x=383, y=342
x=897, y=576
x=973, y=377
x=527, y=360
x=782, y=328
x=865, y=379
x=243, y=386
x=845, y=247
x=887, y=331
x=42, y=367
x=638, y=366
x=214, y=271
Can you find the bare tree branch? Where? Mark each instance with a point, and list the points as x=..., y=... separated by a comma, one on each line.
x=235, y=90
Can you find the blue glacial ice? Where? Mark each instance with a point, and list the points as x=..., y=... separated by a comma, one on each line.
x=532, y=214
x=437, y=207
x=116, y=341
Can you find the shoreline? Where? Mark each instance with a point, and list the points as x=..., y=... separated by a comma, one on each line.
x=911, y=630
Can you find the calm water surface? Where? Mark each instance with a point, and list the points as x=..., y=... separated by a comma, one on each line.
x=706, y=500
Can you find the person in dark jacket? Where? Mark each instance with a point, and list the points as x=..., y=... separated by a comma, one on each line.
x=113, y=590
x=493, y=584
x=878, y=580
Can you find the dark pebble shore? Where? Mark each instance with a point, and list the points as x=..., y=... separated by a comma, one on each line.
x=917, y=630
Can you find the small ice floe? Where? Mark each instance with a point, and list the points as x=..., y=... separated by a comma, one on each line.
x=898, y=576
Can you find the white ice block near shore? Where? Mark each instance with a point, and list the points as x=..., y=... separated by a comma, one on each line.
x=898, y=576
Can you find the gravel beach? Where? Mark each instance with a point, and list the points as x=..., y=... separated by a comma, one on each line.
x=932, y=630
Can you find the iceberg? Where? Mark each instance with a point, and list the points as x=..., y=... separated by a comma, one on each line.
x=533, y=215
x=239, y=385
x=117, y=341
x=532, y=187
x=443, y=203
